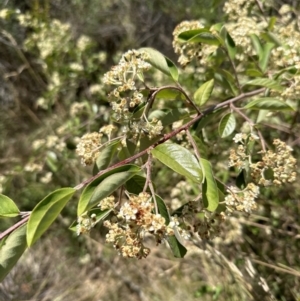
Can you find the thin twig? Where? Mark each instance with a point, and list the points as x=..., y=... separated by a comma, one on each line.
x=252, y=124
x=194, y=145
x=14, y=227
x=155, y=91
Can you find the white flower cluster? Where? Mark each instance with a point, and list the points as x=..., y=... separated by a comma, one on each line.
x=191, y=51
x=126, y=95
x=242, y=200
x=135, y=219
x=88, y=147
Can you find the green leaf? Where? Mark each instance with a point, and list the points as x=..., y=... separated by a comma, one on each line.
x=262, y=115
x=177, y=248
x=203, y=93
x=201, y=145
x=168, y=94
x=268, y=103
x=168, y=116
x=127, y=151
x=230, y=44
x=256, y=44
x=162, y=63
x=223, y=81
x=104, y=186
x=108, y=186
x=204, y=121
x=162, y=209
x=272, y=22
x=136, y=184
x=227, y=125
x=210, y=190
x=271, y=37
x=45, y=212
x=241, y=179
x=174, y=115
x=138, y=111
x=202, y=35
x=7, y=207
x=264, y=59
x=106, y=156
x=11, y=250
x=265, y=82
x=205, y=38
x=51, y=161
x=254, y=73
x=229, y=77
x=179, y=159
x=189, y=34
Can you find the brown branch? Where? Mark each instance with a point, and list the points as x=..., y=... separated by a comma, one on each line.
x=14, y=227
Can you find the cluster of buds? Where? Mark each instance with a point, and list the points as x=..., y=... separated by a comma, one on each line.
x=88, y=147
x=198, y=221
x=188, y=51
x=142, y=128
x=242, y=200
x=126, y=95
x=85, y=223
x=134, y=220
x=239, y=157
x=276, y=167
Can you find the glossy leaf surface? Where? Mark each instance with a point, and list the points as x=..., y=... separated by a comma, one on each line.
x=11, y=250
x=7, y=207
x=227, y=125
x=210, y=190
x=162, y=63
x=201, y=96
x=179, y=159
x=45, y=212
x=89, y=189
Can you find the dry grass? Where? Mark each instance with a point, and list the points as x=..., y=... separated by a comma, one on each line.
x=88, y=270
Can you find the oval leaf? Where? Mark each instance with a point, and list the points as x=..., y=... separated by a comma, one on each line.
x=106, y=156
x=162, y=209
x=89, y=189
x=206, y=38
x=227, y=125
x=136, y=184
x=127, y=150
x=45, y=212
x=264, y=59
x=11, y=250
x=203, y=93
x=177, y=248
x=189, y=34
x=210, y=190
x=179, y=159
x=230, y=44
x=162, y=63
x=265, y=82
x=7, y=207
x=268, y=103
x=108, y=186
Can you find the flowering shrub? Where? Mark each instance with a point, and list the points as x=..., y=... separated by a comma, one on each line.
x=237, y=76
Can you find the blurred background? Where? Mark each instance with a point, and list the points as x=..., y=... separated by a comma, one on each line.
x=53, y=55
